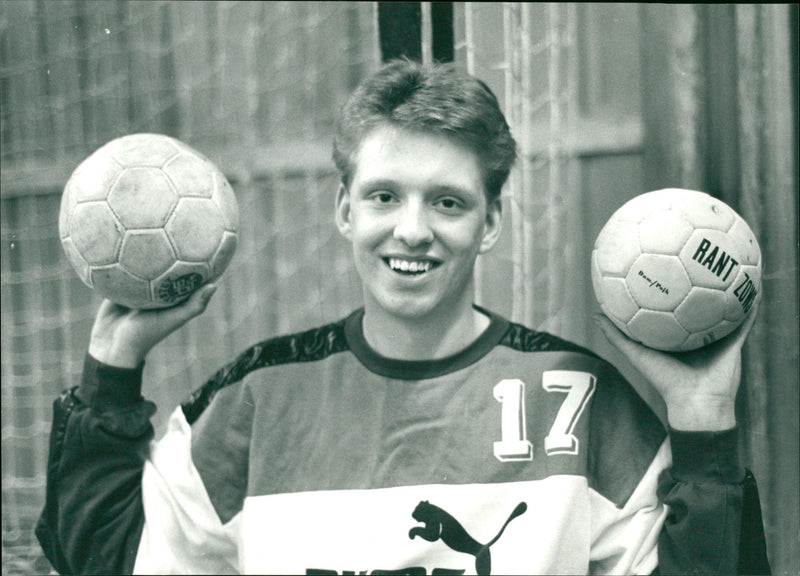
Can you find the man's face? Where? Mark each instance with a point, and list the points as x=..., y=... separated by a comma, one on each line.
x=417, y=215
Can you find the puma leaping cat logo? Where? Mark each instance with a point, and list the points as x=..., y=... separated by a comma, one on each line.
x=441, y=525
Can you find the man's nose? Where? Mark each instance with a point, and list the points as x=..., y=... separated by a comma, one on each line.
x=412, y=227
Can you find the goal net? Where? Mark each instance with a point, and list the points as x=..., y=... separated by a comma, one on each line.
x=255, y=86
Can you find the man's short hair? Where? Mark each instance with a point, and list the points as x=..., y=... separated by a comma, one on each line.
x=435, y=98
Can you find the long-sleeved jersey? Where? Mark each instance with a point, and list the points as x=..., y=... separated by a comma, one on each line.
x=313, y=454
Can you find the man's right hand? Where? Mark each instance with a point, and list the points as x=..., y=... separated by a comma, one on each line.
x=123, y=336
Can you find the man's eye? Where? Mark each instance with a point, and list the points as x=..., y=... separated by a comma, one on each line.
x=383, y=197
x=449, y=204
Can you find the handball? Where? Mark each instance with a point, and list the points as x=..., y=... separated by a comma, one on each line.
x=146, y=220
x=676, y=269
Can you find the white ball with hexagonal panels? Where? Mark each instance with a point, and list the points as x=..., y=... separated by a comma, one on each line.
x=145, y=220
x=676, y=269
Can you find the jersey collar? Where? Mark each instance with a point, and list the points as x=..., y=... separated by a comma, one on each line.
x=422, y=369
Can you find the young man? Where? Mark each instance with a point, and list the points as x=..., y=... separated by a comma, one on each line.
x=420, y=435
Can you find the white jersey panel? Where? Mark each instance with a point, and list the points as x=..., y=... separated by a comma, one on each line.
x=182, y=532
x=625, y=541
x=512, y=528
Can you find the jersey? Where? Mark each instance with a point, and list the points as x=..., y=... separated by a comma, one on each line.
x=313, y=454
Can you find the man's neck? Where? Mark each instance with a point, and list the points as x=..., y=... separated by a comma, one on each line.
x=426, y=338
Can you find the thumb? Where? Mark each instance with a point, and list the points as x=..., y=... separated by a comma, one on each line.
x=197, y=303
x=174, y=317
x=203, y=297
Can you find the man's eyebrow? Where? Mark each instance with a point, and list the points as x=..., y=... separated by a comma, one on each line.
x=390, y=184
x=451, y=189
x=379, y=183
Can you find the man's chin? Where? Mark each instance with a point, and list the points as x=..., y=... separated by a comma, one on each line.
x=405, y=309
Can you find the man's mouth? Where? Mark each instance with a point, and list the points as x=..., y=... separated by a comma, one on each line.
x=410, y=267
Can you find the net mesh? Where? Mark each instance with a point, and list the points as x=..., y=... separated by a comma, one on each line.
x=255, y=87
x=526, y=53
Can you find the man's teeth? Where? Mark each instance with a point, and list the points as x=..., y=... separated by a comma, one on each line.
x=409, y=266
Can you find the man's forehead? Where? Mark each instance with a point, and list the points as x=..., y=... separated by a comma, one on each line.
x=390, y=153
x=397, y=137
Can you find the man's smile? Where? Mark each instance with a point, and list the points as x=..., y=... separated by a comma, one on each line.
x=410, y=266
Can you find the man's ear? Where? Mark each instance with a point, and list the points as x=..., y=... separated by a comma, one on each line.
x=493, y=225
x=343, y=212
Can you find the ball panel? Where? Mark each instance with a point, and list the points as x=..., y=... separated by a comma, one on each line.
x=597, y=277
x=695, y=341
x=621, y=325
x=143, y=149
x=711, y=259
x=704, y=211
x=196, y=229
x=617, y=247
x=701, y=309
x=77, y=261
x=618, y=302
x=177, y=284
x=93, y=178
x=658, y=330
x=146, y=253
x=68, y=204
x=142, y=198
x=743, y=293
x=679, y=196
x=224, y=254
x=191, y=175
x=119, y=285
x=744, y=239
x=658, y=282
x=96, y=233
x=664, y=233
x=226, y=200
x=706, y=337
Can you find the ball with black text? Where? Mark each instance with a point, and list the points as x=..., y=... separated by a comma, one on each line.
x=676, y=269
x=146, y=220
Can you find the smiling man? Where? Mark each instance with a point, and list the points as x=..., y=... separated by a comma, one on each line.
x=418, y=214
x=422, y=434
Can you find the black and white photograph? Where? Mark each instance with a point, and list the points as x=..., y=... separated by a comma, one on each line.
x=338, y=287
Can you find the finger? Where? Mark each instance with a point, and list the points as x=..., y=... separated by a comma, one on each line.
x=199, y=300
x=195, y=305
x=204, y=296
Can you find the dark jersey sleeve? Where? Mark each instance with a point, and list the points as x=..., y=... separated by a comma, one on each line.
x=714, y=525
x=93, y=516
